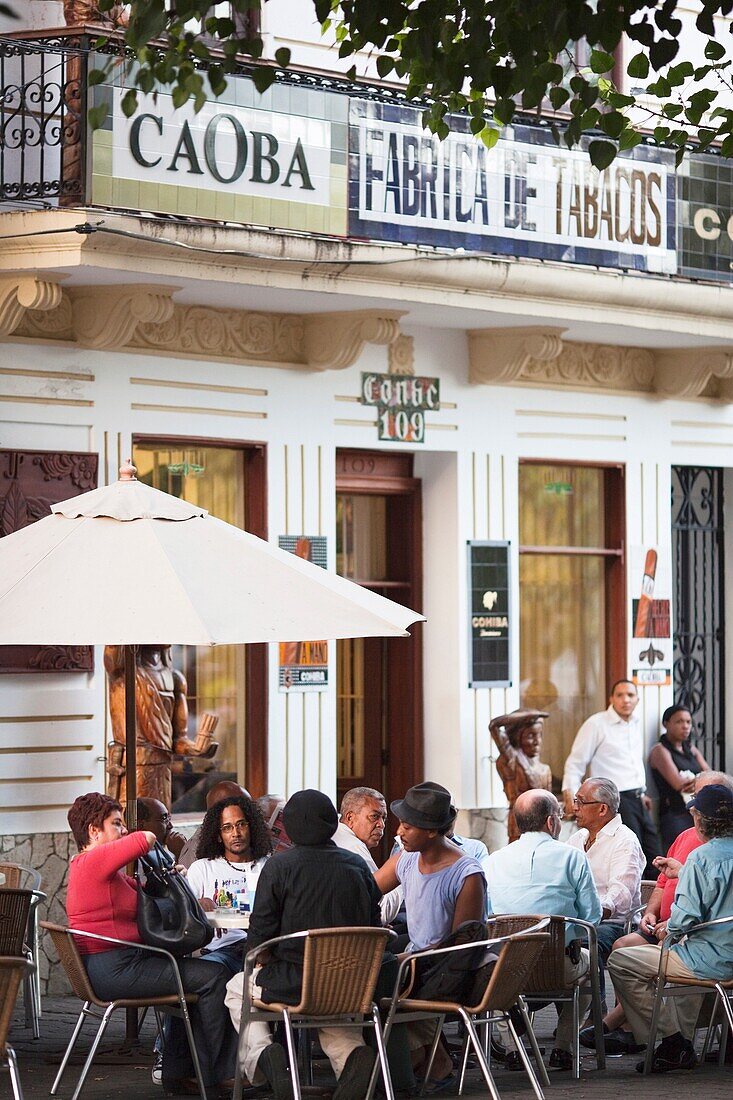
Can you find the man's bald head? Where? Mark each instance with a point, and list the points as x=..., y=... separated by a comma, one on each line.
x=225, y=788
x=532, y=810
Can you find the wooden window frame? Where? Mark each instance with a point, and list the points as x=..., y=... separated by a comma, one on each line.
x=614, y=553
x=255, y=654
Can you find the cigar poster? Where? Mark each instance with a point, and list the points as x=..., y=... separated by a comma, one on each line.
x=489, y=615
x=303, y=666
x=651, y=654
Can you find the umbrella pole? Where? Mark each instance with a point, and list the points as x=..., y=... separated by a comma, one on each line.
x=131, y=1026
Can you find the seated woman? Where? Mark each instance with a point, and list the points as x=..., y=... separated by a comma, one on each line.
x=102, y=899
x=443, y=888
x=675, y=763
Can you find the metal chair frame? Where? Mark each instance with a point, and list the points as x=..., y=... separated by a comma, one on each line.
x=293, y=1019
x=676, y=987
x=15, y=969
x=470, y=1018
x=175, y=1004
x=648, y=886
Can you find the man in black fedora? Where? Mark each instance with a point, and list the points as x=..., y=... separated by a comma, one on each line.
x=444, y=889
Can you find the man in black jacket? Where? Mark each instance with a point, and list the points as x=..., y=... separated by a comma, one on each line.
x=314, y=885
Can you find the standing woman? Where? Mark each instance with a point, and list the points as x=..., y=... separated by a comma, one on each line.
x=102, y=899
x=675, y=763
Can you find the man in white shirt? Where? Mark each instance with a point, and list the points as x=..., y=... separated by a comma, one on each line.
x=615, y=856
x=610, y=745
x=361, y=827
x=233, y=848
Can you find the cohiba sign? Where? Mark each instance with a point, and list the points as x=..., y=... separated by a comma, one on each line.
x=524, y=197
x=401, y=402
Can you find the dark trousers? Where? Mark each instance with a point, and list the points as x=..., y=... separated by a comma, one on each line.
x=638, y=819
x=129, y=972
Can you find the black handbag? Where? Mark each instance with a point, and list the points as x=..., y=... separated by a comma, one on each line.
x=168, y=914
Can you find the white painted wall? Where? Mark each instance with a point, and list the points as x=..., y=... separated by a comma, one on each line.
x=469, y=470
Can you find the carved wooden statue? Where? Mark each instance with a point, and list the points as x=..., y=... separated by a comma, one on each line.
x=161, y=711
x=518, y=737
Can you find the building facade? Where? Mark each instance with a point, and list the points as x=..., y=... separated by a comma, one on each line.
x=492, y=386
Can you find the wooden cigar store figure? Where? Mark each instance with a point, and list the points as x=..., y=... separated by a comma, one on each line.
x=518, y=737
x=161, y=714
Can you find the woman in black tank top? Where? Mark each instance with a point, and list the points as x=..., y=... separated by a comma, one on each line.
x=675, y=763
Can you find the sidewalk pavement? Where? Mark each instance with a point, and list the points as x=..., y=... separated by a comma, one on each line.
x=118, y=1074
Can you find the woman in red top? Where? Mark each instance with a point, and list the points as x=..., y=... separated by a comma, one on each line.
x=102, y=899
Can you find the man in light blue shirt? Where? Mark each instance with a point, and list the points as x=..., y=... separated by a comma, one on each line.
x=704, y=893
x=538, y=874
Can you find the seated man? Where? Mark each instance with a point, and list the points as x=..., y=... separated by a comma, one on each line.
x=361, y=828
x=536, y=874
x=233, y=848
x=443, y=888
x=653, y=924
x=704, y=893
x=225, y=788
x=153, y=816
x=313, y=885
x=616, y=859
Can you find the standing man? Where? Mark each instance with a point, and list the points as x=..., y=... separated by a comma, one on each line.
x=610, y=745
x=537, y=874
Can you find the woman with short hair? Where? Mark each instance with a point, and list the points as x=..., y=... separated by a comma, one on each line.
x=102, y=899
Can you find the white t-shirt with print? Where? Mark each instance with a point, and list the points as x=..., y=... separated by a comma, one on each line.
x=207, y=876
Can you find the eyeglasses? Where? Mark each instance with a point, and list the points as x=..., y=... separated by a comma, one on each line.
x=588, y=802
x=238, y=826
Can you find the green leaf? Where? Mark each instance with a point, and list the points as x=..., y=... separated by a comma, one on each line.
x=602, y=153
x=504, y=110
x=672, y=110
x=129, y=103
x=262, y=78
x=612, y=124
x=97, y=116
x=616, y=99
x=629, y=139
x=96, y=76
x=282, y=57
x=601, y=62
x=661, y=133
x=638, y=67
x=558, y=97
x=489, y=136
x=713, y=50
x=385, y=65
x=660, y=88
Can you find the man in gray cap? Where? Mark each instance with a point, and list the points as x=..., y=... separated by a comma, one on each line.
x=313, y=885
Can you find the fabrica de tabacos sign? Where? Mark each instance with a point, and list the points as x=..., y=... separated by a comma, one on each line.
x=705, y=212
x=525, y=197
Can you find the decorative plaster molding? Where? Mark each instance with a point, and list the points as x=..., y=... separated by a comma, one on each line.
x=333, y=341
x=690, y=372
x=226, y=334
x=401, y=355
x=602, y=365
x=21, y=293
x=108, y=316
x=501, y=354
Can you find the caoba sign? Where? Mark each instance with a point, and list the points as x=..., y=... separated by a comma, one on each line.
x=525, y=197
x=705, y=209
x=228, y=162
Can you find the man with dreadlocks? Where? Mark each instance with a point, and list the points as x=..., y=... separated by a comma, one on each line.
x=232, y=850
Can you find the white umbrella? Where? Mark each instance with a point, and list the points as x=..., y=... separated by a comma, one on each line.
x=128, y=565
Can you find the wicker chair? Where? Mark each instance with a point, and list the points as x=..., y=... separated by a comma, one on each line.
x=518, y=956
x=64, y=940
x=12, y=972
x=16, y=912
x=648, y=886
x=679, y=987
x=340, y=971
x=19, y=877
x=547, y=980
